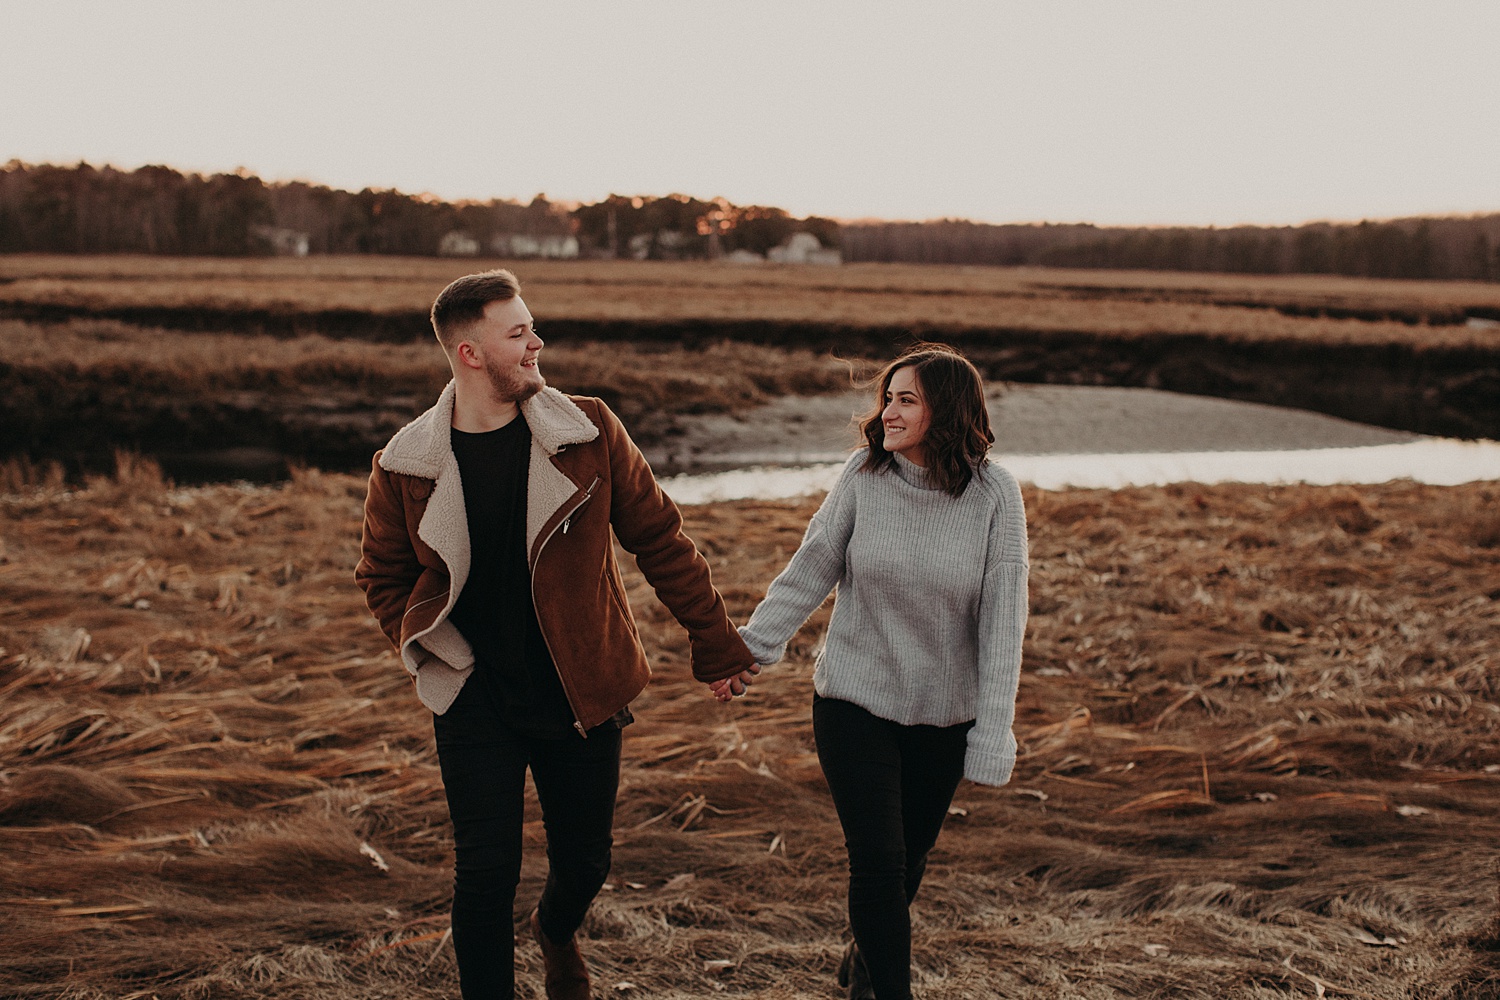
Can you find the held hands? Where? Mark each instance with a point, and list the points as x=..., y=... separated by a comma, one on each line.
x=732, y=687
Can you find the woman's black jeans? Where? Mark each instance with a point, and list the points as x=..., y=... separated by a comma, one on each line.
x=892, y=785
x=484, y=775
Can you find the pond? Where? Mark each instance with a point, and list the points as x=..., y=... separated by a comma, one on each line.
x=1438, y=461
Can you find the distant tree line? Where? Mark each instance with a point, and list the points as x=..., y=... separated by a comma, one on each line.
x=155, y=209
x=1458, y=248
x=83, y=209
x=86, y=209
x=957, y=241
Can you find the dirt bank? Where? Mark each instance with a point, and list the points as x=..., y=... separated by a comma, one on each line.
x=338, y=429
x=1447, y=391
x=246, y=406
x=1441, y=390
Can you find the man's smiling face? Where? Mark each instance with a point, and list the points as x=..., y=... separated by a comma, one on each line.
x=505, y=341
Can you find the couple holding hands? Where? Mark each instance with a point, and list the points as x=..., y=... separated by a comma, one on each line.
x=487, y=558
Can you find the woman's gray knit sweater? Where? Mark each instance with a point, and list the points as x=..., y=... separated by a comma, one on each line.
x=931, y=606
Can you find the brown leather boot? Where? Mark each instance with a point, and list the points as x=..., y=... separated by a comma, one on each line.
x=567, y=978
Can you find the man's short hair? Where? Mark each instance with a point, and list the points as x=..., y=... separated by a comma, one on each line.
x=462, y=303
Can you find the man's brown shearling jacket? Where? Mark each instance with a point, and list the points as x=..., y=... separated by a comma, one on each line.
x=585, y=478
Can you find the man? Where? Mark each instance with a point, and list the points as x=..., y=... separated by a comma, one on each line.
x=487, y=559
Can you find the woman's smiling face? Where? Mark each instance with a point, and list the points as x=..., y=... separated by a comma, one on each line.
x=906, y=416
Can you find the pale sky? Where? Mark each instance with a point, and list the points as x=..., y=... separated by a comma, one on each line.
x=1114, y=112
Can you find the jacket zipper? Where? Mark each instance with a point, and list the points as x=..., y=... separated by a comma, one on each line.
x=588, y=495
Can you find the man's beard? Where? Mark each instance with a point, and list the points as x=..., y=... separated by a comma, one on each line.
x=508, y=387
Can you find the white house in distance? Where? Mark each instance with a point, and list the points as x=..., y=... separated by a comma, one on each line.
x=283, y=242
x=522, y=245
x=803, y=248
x=457, y=244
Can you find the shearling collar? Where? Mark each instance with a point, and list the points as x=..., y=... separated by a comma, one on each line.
x=422, y=447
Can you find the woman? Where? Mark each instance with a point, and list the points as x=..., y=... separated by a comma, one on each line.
x=925, y=540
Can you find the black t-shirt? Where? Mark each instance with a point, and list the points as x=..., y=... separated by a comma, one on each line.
x=513, y=667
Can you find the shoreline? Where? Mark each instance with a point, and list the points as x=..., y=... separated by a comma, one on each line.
x=1027, y=419
x=1031, y=420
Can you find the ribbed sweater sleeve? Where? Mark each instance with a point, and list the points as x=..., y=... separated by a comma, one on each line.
x=1003, y=607
x=814, y=570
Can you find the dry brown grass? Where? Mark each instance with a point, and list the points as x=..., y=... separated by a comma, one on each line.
x=885, y=295
x=139, y=363
x=1260, y=756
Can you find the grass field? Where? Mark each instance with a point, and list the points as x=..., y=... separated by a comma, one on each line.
x=640, y=378
x=1260, y=743
x=1242, y=308
x=1260, y=758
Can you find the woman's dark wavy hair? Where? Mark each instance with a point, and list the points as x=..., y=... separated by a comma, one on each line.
x=958, y=434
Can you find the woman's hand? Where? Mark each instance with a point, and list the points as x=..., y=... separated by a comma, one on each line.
x=732, y=687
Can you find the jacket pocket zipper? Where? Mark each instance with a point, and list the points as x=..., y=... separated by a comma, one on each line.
x=588, y=495
x=435, y=597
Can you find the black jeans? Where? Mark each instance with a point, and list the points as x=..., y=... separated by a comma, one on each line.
x=892, y=785
x=484, y=776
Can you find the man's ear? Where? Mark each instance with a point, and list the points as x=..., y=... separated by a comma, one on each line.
x=467, y=355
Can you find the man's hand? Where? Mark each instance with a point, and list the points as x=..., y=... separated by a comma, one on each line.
x=732, y=687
